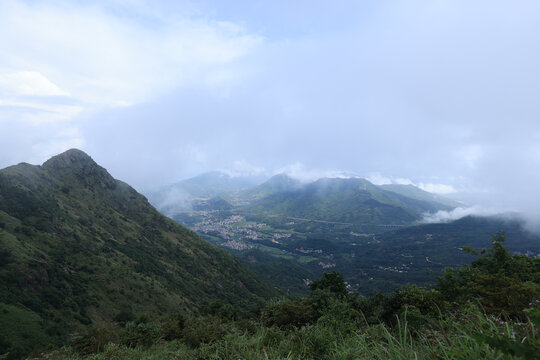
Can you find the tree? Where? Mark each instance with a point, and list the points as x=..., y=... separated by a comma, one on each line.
x=500, y=281
x=332, y=282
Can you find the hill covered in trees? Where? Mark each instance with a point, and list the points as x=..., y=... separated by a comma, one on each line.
x=78, y=247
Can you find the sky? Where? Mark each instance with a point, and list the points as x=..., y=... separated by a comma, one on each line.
x=443, y=94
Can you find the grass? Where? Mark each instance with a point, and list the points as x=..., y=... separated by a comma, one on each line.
x=306, y=259
x=274, y=251
x=22, y=328
x=450, y=338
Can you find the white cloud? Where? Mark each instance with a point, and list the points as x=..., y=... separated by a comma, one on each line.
x=28, y=83
x=442, y=189
x=378, y=179
x=442, y=216
x=103, y=58
x=243, y=168
x=403, y=181
x=300, y=172
x=90, y=58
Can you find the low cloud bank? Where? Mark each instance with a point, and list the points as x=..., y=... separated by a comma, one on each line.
x=171, y=201
x=304, y=174
x=530, y=221
x=443, y=216
x=441, y=189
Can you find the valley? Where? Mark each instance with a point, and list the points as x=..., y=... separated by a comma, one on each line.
x=291, y=233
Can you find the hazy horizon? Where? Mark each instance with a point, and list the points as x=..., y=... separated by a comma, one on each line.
x=439, y=94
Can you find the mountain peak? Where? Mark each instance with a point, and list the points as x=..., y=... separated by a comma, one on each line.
x=69, y=159
x=281, y=177
x=77, y=163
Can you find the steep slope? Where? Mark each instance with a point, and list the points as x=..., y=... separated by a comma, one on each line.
x=351, y=200
x=79, y=247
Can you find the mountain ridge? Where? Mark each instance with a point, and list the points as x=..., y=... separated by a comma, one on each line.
x=353, y=200
x=80, y=247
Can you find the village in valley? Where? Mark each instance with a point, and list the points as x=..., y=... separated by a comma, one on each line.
x=234, y=232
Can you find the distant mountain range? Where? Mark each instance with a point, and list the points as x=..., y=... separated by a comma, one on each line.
x=353, y=200
x=79, y=247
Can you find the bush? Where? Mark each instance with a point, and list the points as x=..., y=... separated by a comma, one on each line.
x=332, y=282
x=502, y=283
x=124, y=317
x=203, y=330
x=173, y=326
x=94, y=340
x=289, y=313
x=141, y=333
x=220, y=309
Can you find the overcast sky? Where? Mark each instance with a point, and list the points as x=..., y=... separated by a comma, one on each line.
x=444, y=94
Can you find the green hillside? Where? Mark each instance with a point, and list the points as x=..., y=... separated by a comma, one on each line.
x=351, y=200
x=78, y=247
x=280, y=183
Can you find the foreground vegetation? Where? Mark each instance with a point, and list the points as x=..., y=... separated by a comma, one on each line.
x=489, y=309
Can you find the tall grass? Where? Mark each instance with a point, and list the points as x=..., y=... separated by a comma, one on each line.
x=452, y=337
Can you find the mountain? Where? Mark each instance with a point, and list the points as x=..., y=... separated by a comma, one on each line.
x=414, y=192
x=78, y=247
x=179, y=197
x=352, y=200
x=280, y=183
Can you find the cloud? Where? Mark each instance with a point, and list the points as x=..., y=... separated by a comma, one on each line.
x=301, y=172
x=242, y=168
x=442, y=189
x=62, y=62
x=104, y=58
x=28, y=83
x=378, y=179
x=442, y=216
x=172, y=200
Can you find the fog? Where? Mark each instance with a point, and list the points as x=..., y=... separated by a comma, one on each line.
x=440, y=94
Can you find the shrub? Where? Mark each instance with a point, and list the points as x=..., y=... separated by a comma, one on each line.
x=203, y=330
x=501, y=282
x=289, y=313
x=332, y=282
x=173, y=326
x=141, y=333
x=124, y=317
x=94, y=340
